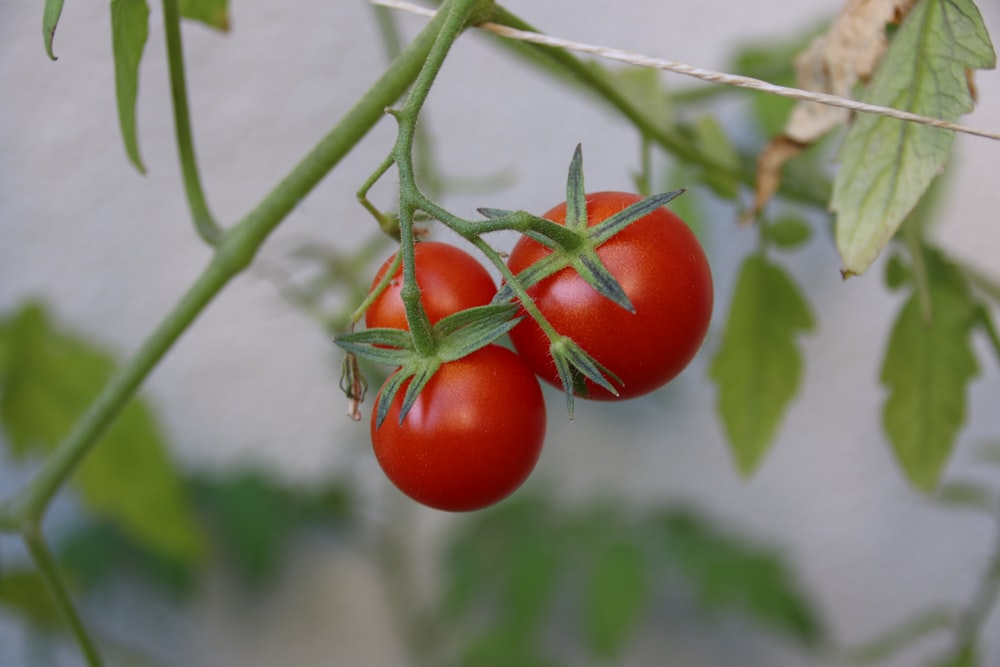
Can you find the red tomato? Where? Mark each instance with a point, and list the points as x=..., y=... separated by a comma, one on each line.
x=450, y=281
x=471, y=438
x=662, y=268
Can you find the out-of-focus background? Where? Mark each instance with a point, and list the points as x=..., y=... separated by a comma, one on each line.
x=256, y=379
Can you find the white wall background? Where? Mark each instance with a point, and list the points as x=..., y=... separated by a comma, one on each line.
x=111, y=251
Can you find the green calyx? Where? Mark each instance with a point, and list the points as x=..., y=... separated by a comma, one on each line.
x=452, y=338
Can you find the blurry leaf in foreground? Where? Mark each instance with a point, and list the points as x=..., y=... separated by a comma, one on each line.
x=728, y=574
x=26, y=593
x=253, y=518
x=715, y=146
x=888, y=164
x=928, y=366
x=98, y=553
x=50, y=379
x=603, y=564
x=616, y=595
x=758, y=366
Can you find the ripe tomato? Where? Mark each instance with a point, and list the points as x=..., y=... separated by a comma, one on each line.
x=662, y=268
x=471, y=438
x=450, y=280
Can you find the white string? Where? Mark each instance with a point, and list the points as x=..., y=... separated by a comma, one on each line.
x=703, y=74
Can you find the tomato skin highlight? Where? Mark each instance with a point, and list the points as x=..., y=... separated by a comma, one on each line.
x=449, y=278
x=471, y=438
x=662, y=268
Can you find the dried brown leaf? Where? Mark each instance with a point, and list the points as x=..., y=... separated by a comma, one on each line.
x=834, y=63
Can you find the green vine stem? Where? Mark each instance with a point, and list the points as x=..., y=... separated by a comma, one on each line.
x=23, y=512
x=971, y=621
x=204, y=222
x=49, y=571
x=458, y=16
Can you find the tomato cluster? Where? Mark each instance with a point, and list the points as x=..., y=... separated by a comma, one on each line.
x=475, y=431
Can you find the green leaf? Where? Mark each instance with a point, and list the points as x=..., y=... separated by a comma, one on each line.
x=507, y=562
x=98, y=553
x=728, y=574
x=758, y=367
x=616, y=596
x=897, y=273
x=713, y=142
x=50, y=20
x=644, y=89
x=26, y=593
x=788, y=232
x=887, y=164
x=966, y=657
x=252, y=518
x=928, y=366
x=50, y=380
x=129, y=30
x=501, y=647
x=213, y=13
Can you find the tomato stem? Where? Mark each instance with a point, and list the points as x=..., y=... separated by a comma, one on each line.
x=236, y=250
x=457, y=17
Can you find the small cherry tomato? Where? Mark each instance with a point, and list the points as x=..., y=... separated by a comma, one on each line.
x=661, y=266
x=450, y=280
x=471, y=438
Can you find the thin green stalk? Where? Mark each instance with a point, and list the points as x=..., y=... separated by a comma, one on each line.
x=204, y=222
x=971, y=622
x=49, y=571
x=457, y=16
x=234, y=253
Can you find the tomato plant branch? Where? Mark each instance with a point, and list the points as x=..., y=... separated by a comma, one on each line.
x=235, y=251
x=204, y=222
x=457, y=16
x=985, y=598
x=24, y=511
x=49, y=571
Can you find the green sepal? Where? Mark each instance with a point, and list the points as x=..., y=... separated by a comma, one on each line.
x=457, y=336
x=548, y=233
x=388, y=393
x=421, y=376
x=419, y=371
x=534, y=274
x=576, y=195
x=590, y=267
x=383, y=346
x=607, y=228
x=573, y=364
x=469, y=330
